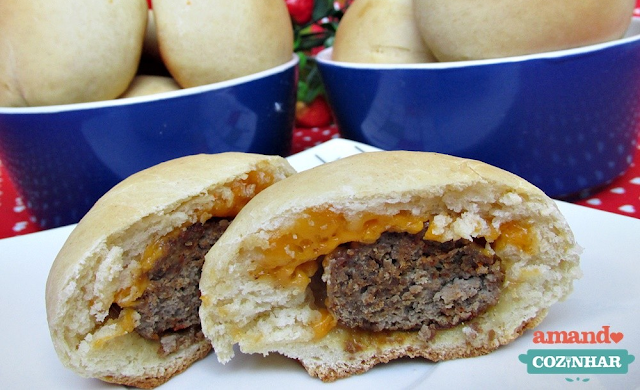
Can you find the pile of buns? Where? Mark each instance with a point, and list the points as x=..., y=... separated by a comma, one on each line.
x=416, y=31
x=74, y=51
x=265, y=283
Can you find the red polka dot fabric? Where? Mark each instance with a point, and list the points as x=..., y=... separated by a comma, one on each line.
x=305, y=138
x=15, y=218
x=622, y=196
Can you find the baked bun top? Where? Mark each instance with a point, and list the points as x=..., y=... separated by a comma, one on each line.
x=68, y=51
x=104, y=254
x=380, y=32
x=217, y=40
x=143, y=85
x=273, y=253
x=493, y=29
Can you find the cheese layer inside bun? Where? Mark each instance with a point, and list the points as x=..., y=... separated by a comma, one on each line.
x=122, y=295
x=384, y=255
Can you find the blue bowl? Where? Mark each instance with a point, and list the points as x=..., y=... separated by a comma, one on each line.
x=63, y=158
x=567, y=121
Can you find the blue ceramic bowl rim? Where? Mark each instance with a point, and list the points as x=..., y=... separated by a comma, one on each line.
x=632, y=35
x=154, y=97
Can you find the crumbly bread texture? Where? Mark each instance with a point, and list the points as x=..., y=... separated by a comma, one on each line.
x=68, y=51
x=101, y=256
x=456, y=31
x=203, y=42
x=246, y=302
x=380, y=31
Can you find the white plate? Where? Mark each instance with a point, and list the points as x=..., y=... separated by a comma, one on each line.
x=608, y=294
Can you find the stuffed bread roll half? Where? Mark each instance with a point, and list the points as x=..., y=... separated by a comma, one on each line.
x=384, y=255
x=122, y=295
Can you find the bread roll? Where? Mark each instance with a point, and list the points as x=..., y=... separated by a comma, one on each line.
x=140, y=249
x=341, y=266
x=150, y=84
x=68, y=51
x=457, y=30
x=150, y=47
x=380, y=32
x=203, y=42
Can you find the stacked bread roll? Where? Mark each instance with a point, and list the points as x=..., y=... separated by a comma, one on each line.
x=73, y=51
x=215, y=40
x=378, y=31
x=392, y=31
x=68, y=51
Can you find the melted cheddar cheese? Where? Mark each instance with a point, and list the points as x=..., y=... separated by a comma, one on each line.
x=358, y=340
x=124, y=324
x=324, y=325
x=430, y=235
x=153, y=252
x=227, y=203
x=243, y=191
x=516, y=234
x=225, y=206
x=290, y=258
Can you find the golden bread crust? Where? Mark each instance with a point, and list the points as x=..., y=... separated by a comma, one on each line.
x=327, y=373
x=153, y=381
x=68, y=51
x=501, y=28
x=385, y=32
x=103, y=251
x=207, y=42
x=463, y=198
